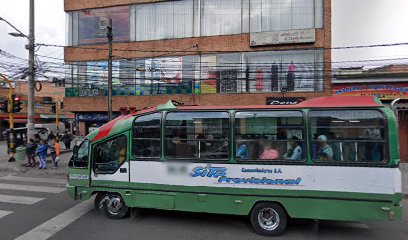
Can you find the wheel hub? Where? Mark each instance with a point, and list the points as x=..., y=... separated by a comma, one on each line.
x=114, y=205
x=268, y=219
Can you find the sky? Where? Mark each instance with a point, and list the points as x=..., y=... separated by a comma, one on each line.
x=354, y=22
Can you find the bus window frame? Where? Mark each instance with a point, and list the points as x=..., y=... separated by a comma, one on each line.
x=121, y=134
x=205, y=160
x=72, y=162
x=277, y=161
x=135, y=158
x=382, y=163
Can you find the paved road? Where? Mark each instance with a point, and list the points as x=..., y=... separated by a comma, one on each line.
x=35, y=205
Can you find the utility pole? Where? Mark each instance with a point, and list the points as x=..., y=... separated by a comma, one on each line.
x=57, y=109
x=31, y=75
x=110, y=39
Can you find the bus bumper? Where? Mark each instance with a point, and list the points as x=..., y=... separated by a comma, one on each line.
x=71, y=191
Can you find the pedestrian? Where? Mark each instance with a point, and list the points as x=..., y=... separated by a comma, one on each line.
x=66, y=139
x=55, y=152
x=50, y=136
x=42, y=154
x=30, y=150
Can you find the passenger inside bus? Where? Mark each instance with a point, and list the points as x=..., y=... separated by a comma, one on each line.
x=325, y=150
x=295, y=151
x=270, y=151
x=242, y=150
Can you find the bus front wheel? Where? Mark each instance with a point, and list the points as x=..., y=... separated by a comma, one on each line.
x=268, y=219
x=115, y=207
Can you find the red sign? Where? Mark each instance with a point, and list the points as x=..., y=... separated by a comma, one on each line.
x=380, y=90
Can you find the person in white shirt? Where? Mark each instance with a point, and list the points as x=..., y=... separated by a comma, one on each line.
x=325, y=150
x=295, y=152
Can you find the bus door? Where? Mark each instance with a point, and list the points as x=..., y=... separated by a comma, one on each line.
x=110, y=161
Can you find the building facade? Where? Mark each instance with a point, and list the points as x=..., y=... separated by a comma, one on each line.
x=387, y=83
x=204, y=52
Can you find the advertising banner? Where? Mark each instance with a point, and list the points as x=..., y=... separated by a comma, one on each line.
x=380, y=90
x=208, y=74
x=282, y=37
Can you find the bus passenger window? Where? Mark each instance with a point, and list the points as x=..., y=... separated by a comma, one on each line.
x=348, y=136
x=269, y=135
x=146, y=136
x=110, y=155
x=197, y=135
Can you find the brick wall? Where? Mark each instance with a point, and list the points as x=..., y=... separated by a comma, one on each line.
x=89, y=104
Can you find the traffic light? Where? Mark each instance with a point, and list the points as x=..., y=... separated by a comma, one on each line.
x=17, y=104
x=4, y=105
x=53, y=108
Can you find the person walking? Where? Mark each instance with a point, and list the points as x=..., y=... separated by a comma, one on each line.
x=30, y=150
x=42, y=154
x=66, y=139
x=50, y=136
x=55, y=152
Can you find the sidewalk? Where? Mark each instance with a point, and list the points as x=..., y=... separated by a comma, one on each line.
x=19, y=166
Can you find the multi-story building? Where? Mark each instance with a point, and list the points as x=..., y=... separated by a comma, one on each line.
x=387, y=83
x=204, y=52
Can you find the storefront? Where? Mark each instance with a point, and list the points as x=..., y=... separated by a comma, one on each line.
x=87, y=122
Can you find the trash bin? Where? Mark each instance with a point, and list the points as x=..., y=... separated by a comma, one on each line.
x=20, y=154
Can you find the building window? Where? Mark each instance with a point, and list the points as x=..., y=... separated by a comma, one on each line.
x=275, y=71
x=146, y=136
x=348, y=136
x=270, y=135
x=197, y=135
x=164, y=20
x=221, y=73
x=278, y=15
x=220, y=17
x=248, y=72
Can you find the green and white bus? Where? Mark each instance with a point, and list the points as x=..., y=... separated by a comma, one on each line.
x=329, y=158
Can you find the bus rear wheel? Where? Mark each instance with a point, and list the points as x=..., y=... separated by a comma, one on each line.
x=115, y=207
x=268, y=219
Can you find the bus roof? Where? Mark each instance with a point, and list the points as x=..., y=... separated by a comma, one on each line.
x=124, y=122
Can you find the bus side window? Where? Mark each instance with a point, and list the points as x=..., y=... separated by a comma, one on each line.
x=146, y=136
x=351, y=135
x=270, y=135
x=110, y=155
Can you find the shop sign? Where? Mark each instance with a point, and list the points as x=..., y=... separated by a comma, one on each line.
x=282, y=37
x=284, y=101
x=382, y=91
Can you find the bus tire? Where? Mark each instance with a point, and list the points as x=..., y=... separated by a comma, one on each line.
x=115, y=207
x=268, y=218
x=98, y=204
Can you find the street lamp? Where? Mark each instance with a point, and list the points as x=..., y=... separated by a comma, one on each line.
x=17, y=35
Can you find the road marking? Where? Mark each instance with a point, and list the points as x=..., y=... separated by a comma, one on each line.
x=31, y=188
x=19, y=199
x=31, y=179
x=59, y=222
x=4, y=213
